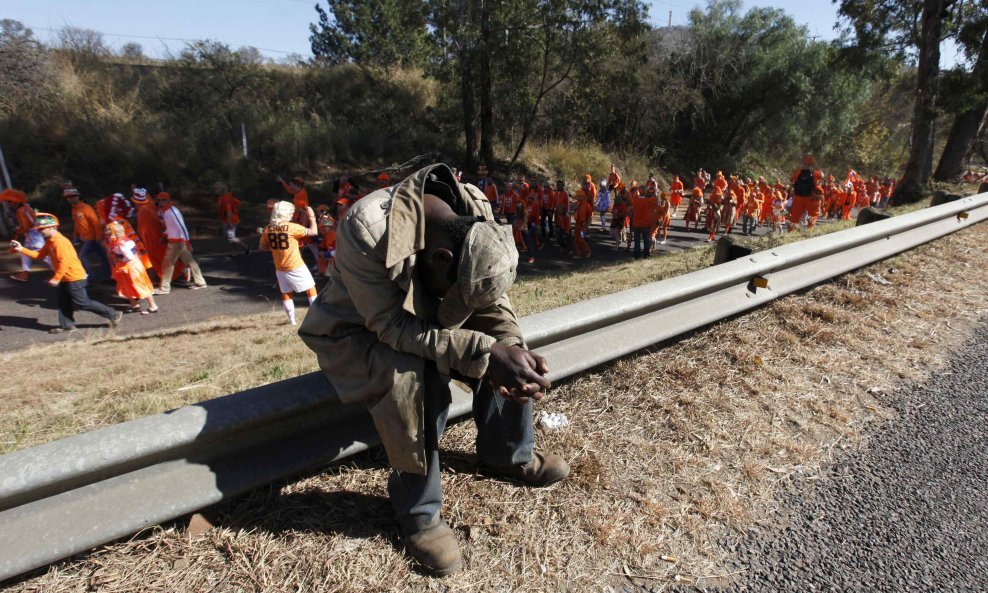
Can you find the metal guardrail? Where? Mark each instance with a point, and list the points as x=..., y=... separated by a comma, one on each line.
x=71, y=495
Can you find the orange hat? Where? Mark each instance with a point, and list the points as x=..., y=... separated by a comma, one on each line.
x=697, y=192
x=717, y=191
x=14, y=196
x=163, y=196
x=44, y=220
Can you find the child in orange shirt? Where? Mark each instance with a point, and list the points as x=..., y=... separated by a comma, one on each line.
x=581, y=224
x=327, y=243
x=129, y=272
x=69, y=276
x=664, y=217
x=281, y=238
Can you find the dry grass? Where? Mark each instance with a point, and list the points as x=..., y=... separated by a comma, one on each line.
x=671, y=449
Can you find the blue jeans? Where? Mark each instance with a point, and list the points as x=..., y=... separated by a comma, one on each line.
x=642, y=235
x=505, y=437
x=90, y=247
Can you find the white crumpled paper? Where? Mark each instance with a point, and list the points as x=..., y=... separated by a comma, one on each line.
x=552, y=421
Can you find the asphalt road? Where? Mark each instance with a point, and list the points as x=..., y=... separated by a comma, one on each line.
x=907, y=513
x=239, y=285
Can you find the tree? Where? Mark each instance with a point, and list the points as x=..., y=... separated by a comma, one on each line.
x=132, y=51
x=24, y=67
x=743, y=85
x=383, y=33
x=81, y=41
x=512, y=54
x=903, y=27
x=971, y=93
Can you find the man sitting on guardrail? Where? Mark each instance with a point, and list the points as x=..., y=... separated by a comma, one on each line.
x=417, y=296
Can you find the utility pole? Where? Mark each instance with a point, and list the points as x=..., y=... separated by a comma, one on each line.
x=670, y=18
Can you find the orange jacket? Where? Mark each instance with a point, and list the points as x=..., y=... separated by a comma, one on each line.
x=64, y=259
x=87, y=225
x=676, y=186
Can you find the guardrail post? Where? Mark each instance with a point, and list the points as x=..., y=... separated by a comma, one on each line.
x=869, y=215
x=942, y=197
x=728, y=249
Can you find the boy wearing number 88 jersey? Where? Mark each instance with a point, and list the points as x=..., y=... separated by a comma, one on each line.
x=281, y=237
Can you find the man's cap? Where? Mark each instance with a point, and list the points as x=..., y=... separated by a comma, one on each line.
x=69, y=192
x=44, y=220
x=487, y=269
x=282, y=212
x=139, y=195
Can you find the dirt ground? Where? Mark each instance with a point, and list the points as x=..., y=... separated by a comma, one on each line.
x=671, y=448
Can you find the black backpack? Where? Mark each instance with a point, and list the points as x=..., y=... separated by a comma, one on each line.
x=804, y=183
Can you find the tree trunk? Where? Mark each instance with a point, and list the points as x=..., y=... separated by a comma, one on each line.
x=486, y=99
x=967, y=124
x=916, y=176
x=469, y=113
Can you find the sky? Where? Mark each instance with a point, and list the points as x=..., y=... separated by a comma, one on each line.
x=279, y=28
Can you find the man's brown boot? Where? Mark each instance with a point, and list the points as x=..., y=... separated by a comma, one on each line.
x=542, y=470
x=435, y=548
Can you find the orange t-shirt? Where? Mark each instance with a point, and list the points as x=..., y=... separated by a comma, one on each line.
x=282, y=241
x=229, y=209
x=662, y=211
x=87, y=225
x=64, y=259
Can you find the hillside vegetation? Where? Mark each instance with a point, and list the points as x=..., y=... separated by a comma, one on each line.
x=543, y=88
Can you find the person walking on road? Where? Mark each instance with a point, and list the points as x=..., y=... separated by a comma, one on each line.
x=69, y=276
x=281, y=238
x=87, y=232
x=176, y=235
x=26, y=230
x=228, y=208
